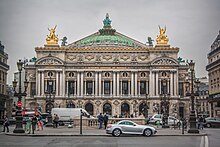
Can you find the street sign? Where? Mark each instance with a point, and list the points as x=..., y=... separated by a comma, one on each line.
x=19, y=104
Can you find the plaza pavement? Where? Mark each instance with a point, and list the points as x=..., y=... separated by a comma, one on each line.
x=88, y=131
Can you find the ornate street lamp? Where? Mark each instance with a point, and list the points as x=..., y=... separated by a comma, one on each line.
x=192, y=118
x=19, y=118
x=165, y=109
x=49, y=102
x=146, y=107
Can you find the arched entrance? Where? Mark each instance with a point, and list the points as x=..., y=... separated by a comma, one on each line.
x=70, y=105
x=89, y=108
x=107, y=108
x=125, y=110
x=142, y=109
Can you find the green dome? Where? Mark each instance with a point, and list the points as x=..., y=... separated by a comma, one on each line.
x=107, y=37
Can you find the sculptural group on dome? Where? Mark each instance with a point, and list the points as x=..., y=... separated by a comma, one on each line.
x=52, y=38
x=162, y=38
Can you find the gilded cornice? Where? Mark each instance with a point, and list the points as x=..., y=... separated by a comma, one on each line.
x=88, y=49
x=106, y=49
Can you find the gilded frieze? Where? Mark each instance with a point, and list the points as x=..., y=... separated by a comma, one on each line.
x=125, y=57
x=71, y=57
x=142, y=57
x=90, y=57
x=107, y=57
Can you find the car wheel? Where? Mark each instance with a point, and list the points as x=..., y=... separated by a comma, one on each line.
x=178, y=124
x=148, y=132
x=208, y=125
x=116, y=132
x=157, y=122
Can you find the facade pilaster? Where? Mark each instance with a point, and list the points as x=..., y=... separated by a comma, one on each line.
x=100, y=84
x=135, y=84
x=118, y=88
x=42, y=83
x=96, y=83
x=57, y=83
x=82, y=85
x=114, y=84
x=78, y=83
x=132, y=83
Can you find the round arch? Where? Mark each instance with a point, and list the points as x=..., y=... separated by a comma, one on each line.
x=107, y=108
x=125, y=109
x=89, y=108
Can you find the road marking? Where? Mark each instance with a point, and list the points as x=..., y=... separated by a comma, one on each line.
x=204, y=141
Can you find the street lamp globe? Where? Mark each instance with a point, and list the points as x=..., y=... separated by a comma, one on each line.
x=14, y=83
x=19, y=65
x=191, y=65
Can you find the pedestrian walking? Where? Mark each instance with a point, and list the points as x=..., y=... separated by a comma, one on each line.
x=105, y=118
x=100, y=120
x=34, y=123
x=39, y=123
x=200, y=123
x=56, y=120
x=6, y=124
x=28, y=125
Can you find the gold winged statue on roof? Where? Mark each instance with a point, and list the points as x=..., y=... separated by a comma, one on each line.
x=162, y=39
x=52, y=38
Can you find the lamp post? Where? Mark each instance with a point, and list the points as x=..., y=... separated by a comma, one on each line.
x=19, y=118
x=49, y=103
x=192, y=119
x=165, y=109
x=146, y=107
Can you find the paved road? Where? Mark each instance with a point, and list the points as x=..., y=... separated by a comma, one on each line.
x=100, y=141
x=213, y=136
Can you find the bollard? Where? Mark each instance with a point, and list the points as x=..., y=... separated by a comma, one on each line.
x=81, y=121
x=183, y=127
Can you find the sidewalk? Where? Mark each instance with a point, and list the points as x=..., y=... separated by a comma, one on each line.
x=86, y=131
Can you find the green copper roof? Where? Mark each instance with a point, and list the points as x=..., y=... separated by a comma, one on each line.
x=107, y=37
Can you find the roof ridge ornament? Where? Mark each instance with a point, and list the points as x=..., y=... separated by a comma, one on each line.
x=107, y=21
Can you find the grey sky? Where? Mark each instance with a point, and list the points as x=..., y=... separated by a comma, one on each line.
x=192, y=25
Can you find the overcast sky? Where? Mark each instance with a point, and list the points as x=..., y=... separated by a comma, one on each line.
x=192, y=25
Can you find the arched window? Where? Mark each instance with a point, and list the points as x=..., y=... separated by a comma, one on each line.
x=125, y=110
x=71, y=74
x=107, y=108
x=89, y=108
x=125, y=74
x=89, y=74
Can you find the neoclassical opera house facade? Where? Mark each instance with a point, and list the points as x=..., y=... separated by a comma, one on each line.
x=108, y=72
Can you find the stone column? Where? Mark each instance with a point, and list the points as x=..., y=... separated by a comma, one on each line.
x=57, y=83
x=96, y=83
x=63, y=79
x=132, y=83
x=75, y=87
x=100, y=84
x=93, y=87
x=171, y=83
x=153, y=83
x=85, y=87
x=103, y=88
x=118, y=88
x=78, y=83
x=150, y=83
x=67, y=89
x=42, y=84
x=135, y=84
x=82, y=85
x=156, y=83
x=111, y=87
x=61, y=84
x=121, y=93
x=129, y=87
x=114, y=84
x=38, y=83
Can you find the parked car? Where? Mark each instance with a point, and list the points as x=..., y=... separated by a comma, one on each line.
x=129, y=127
x=12, y=121
x=157, y=118
x=212, y=122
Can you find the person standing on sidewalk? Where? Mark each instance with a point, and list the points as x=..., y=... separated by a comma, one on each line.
x=34, y=123
x=100, y=120
x=6, y=124
x=105, y=118
x=56, y=121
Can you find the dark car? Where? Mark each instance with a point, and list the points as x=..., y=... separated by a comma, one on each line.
x=11, y=120
x=212, y=122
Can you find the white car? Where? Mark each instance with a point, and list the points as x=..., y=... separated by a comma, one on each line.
x=157, y=118
x=129, y=127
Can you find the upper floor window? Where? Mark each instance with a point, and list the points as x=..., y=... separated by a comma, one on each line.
x=142, y=87
x=106, y=87
x=124, y=87
x=89, y=87
x=89, y=74
x=71, y=87
x=125, y=74
x=143, y=74
x=71, y=74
